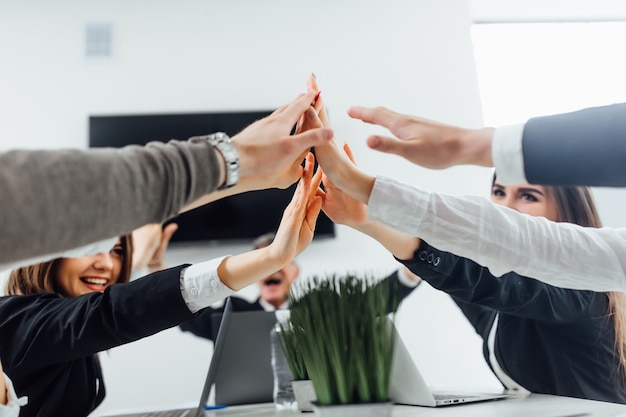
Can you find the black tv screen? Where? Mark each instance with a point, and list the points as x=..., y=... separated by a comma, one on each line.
x=240, y=217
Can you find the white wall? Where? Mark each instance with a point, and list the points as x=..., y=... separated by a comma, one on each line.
x=547, y=10
x=414, y=57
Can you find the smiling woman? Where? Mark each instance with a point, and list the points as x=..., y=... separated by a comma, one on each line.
x=61, y=313
x=71, y=277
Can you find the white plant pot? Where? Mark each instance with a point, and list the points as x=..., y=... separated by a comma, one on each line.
x=304, y=393
x=354, y=410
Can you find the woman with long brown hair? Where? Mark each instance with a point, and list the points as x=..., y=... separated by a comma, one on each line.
x=61, y=313
x=537, y=337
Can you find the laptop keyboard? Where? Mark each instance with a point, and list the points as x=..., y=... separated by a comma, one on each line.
x=165, y=413
x=452, y=396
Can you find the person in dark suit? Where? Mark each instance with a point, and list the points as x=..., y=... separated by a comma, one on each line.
x=536, y=337
x=585, y=147
x=274, y=293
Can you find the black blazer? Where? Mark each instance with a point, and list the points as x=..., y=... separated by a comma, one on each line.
x=202, y=325
x=586, y=147
x=550, y=340
x=48, y=344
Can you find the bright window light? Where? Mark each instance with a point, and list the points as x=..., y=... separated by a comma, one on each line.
x=533, y=69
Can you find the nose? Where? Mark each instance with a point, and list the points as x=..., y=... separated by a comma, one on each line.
x=103, y=261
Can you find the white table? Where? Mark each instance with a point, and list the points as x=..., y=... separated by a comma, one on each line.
x=535, y=405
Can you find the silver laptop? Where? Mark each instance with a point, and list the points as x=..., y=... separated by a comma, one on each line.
x=409, y=388
x=240, y=366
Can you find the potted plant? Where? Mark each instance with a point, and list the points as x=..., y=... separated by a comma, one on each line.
x=341, y=326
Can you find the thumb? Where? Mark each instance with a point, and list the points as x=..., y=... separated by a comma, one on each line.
x=168, y=231
x=385, y=144
x=313, y=137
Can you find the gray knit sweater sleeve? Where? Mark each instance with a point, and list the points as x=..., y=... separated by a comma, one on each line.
x=56, y=200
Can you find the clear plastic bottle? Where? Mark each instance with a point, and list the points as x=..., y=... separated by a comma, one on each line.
x=283, y=390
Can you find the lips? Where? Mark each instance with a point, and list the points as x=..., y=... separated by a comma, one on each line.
x=272, y=281
x=95, y=283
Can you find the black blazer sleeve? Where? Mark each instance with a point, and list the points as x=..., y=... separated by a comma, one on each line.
x=43, y=329
x=396, y=290
x=202, y=324
x=511, y=293
x=586, y=147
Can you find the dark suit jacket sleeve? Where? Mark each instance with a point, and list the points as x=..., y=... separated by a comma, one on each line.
x=587, y=147
x=202, y=324
x=511, y=293
x=44, y=329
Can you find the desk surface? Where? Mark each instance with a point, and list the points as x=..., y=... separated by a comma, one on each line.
x=535, y=405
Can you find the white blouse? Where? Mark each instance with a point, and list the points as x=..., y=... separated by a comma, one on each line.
x=504, y=240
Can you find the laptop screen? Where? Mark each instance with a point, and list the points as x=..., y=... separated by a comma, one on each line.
x=241, y=369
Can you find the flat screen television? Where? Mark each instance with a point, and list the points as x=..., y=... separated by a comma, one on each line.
x=240, y=217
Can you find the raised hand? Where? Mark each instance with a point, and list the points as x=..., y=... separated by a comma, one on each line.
x=268, y=155
x=297, y=225
x=293, y=235
x=339, y=206
x=424, y=142
x=149, y=245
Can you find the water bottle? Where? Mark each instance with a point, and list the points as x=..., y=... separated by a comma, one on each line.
x=283, y=391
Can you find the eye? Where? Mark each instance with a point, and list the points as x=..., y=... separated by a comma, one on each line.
x=117, y=250
x=497, y=192
x=529, y=197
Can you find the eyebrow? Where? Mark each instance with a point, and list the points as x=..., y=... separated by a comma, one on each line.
x=523, y=189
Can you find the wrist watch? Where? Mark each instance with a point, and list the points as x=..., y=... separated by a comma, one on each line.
x=222, y=143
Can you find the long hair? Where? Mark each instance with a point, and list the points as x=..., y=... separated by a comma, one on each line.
x=40, y=278
x=576, y=205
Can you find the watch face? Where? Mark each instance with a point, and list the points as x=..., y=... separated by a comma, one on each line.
x=223, y=144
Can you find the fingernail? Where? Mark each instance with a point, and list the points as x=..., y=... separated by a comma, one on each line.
x=313, y=74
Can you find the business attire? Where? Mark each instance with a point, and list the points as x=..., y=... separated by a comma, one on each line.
x=585, y=147
x=202, y=325
x=545, y=339
x=504, y=240
x=50, y=344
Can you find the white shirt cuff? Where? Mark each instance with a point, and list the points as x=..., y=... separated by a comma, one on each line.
x=201, y=286
x=12, y=408
x=506, y=151
x=405, y=280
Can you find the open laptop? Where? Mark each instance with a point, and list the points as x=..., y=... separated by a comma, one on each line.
x=240, y=367
x=409, y=388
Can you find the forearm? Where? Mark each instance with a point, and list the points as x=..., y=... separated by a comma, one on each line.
x=399, y=244
x=57, y=200
x=503, y=240
x=239, y=271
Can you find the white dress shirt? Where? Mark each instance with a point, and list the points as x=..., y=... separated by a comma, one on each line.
x=502, y=239
x=12, y=408
x=200, y=285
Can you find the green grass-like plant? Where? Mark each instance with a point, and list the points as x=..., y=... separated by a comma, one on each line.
x=338, y=327
x=293, y=353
